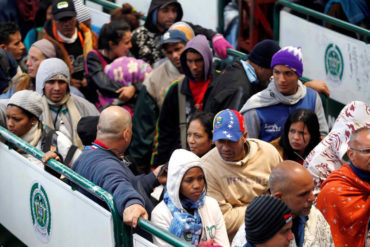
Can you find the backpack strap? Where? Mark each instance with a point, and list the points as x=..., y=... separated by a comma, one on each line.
x=39, y=34
x=70, y=154
x=47, y=138
x=102, y=60
x=182, y=114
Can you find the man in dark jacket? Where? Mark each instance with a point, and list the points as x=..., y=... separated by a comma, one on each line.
x=76, y=39
x=196, y=63
x=161, y=15
x=103, y=164
x=240, y=80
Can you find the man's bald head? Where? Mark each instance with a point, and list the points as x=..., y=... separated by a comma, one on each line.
x=293, y=184
x=284, y=174
x=112, y=122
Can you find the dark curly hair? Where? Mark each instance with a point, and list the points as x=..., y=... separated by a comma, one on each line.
x=127, y=13
x=310, y=120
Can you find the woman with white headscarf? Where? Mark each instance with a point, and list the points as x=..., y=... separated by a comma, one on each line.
x=329, y=154
x=22, y=119
x=38, y=52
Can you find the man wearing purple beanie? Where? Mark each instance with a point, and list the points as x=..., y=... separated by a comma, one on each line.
x=266, y=112
x=242, y=79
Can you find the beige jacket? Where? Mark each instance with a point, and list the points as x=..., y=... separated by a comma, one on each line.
x=235, y=184
x=160, y=79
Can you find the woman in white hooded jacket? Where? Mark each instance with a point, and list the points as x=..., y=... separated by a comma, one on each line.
x=22, y=119
x=186, y=211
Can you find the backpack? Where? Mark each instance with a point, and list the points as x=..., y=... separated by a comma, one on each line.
x=49, y=142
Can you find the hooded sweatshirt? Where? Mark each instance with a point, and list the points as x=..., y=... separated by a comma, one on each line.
x=65, y=114
x=154, y=6
x=168, y=131
x=200, y=44
x=146, y=39
x=213, y=225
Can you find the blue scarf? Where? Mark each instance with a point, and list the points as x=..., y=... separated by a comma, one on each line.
x=183, y=224
x=250, y=72
x=363, y=175
x=154, y=17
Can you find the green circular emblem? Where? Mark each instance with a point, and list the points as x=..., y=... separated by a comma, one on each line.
x=334, y=63
x=40, y=212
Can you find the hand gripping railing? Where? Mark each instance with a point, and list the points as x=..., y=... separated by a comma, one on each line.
x=121, y=235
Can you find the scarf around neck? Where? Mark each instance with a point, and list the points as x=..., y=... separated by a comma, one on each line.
x=272, y=96
x=363, y=175
x=68, y=40
x=73, y=114
x=183, y=224
x=33, y=135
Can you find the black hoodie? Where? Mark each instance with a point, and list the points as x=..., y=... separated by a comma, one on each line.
x=145, y=39
x=156, y=4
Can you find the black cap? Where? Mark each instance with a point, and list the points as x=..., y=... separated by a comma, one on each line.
x=86, y=129
x=264, y=217
x=262, y=53
x=63, y=9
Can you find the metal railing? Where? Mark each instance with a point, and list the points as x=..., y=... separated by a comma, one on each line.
x=312, y=13
x=120, y=235
x=121, y=232
x=161, y=233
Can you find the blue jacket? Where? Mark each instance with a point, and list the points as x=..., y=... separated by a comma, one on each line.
x=105, y=169
x=265, y=113
x=273, y=117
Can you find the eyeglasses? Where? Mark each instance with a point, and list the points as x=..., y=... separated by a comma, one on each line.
x=361, y=150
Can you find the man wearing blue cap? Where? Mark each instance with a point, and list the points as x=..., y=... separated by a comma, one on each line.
x=172, y=42
x=151, y=97
x=237, y=169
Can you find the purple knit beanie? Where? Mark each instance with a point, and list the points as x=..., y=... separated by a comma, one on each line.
x=289, y=56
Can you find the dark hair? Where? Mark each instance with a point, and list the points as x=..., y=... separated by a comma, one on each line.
x=206, y=119
x=166, y=45
x=128, y=14
x=192, y=50
x=41, y=12
x=113, y=31
x=25, y=112
x=309, y=118
x=6, y=29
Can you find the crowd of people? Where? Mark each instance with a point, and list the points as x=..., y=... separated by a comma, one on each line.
x=244, y=155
